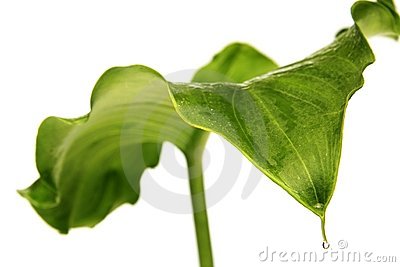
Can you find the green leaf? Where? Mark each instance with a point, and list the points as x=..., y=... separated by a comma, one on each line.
x=289, y=122
x=237, y=62
x=91, y=165
x=375, y=18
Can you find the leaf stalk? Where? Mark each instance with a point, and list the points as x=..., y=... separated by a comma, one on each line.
x=199, y=207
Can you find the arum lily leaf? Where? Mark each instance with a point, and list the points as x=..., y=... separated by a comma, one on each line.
x=289, y=122
x=91, y=165
x=235, y=63
x=377, y=18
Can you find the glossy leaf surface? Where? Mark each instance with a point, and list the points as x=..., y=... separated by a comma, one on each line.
x=289, y=122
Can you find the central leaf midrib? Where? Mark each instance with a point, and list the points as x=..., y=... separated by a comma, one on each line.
x=237, y=119
x=290, y=142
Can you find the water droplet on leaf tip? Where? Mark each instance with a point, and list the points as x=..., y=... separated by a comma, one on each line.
x=319, y=206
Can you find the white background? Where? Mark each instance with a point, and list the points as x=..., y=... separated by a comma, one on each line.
x=52, y=53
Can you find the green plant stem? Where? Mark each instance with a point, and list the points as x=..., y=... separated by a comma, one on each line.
x=323, y=229
x=200, y=211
